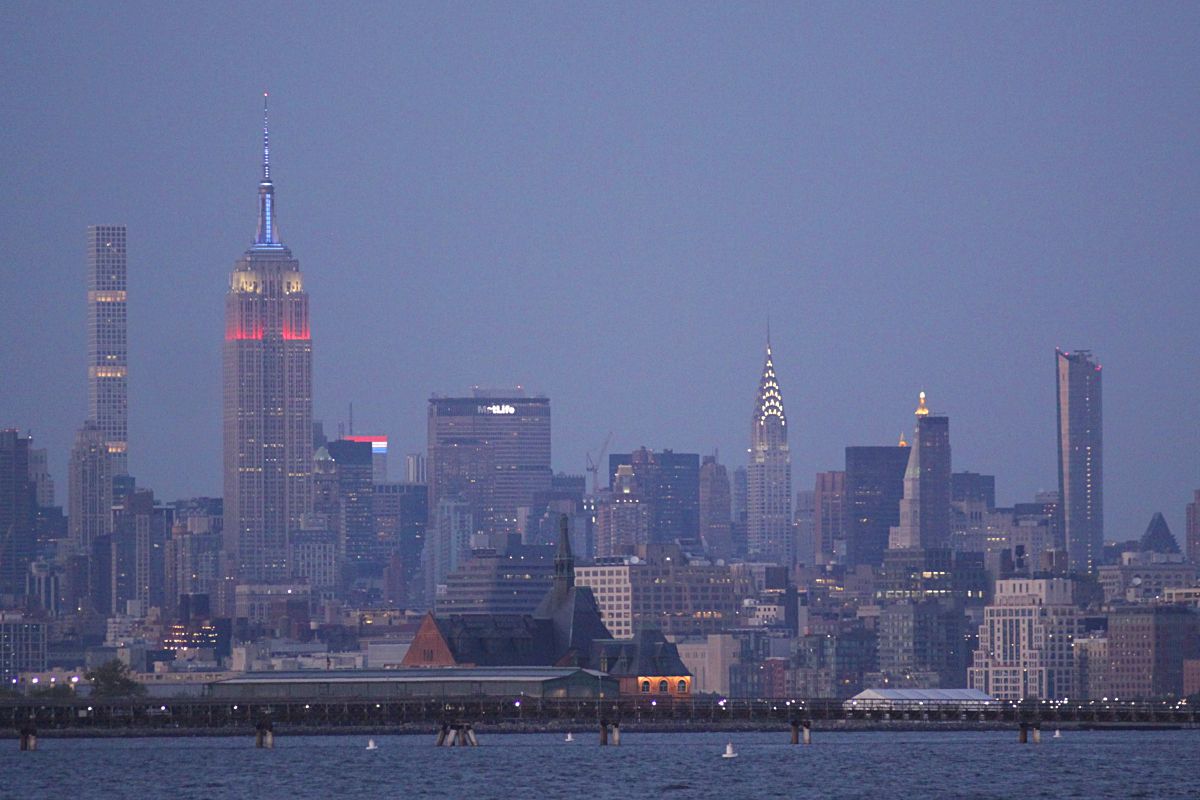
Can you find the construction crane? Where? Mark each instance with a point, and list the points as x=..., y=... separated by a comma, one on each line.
x=594, y=466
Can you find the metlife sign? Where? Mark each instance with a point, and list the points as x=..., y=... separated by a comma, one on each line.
x=497, y=408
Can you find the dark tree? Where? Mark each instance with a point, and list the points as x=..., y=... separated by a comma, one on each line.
x=112, y=679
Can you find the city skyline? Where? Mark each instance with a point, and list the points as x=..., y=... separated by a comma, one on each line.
x=859, y=382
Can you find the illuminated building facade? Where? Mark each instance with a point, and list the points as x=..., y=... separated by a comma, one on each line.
x=267, y=399
x=108, y=348
x=769, y=475
x=22, y=646
x=1080, y=458
x=1027, y=641
x=491, y=449
x=1147, y=647
x=660, y=589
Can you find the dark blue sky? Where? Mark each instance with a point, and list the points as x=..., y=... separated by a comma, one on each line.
x=604, y=203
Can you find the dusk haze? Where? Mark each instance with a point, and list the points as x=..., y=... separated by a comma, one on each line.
x=709, y=381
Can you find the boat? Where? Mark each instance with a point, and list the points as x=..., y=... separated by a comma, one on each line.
x=371, y=745
x=1057, y=733
x=729, y=752
x=570, y=738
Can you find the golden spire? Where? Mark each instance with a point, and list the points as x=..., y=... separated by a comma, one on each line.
x=903, y=443
x=921, y=411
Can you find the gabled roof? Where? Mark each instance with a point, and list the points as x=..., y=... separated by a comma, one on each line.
x=647, y=653
x=497, y=639
x=574, y=617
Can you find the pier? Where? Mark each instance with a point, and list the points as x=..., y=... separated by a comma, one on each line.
x=28, y=717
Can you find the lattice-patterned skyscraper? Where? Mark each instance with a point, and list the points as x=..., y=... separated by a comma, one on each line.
x=769, y=530
x=268, y=399
x=108, y=349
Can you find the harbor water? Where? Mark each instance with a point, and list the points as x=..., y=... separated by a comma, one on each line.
x=881, y=764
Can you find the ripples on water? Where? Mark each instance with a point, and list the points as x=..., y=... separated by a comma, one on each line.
x=885, y=765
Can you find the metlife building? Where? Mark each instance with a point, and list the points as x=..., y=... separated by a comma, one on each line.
x=492, y=450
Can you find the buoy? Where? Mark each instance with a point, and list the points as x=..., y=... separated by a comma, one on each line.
x=569, y=738
x=371, y=745
x=729, y=753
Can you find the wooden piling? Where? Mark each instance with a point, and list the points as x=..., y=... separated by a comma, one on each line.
x=603, y=732
x=28, y=740
x=1023, y=736
x=807, y=726
x=795, y=732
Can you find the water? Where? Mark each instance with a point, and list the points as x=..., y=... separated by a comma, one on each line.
x=1082, y=764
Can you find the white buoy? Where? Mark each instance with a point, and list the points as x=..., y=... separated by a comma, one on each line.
x=1057, y=733
x=371, y=745
x=569, y=738
x=729, y=753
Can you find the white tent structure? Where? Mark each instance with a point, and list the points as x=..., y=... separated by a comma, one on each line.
x=908, y=698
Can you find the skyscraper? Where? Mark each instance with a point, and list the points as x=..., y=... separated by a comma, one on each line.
x=925, y=508
x=1080, y=458
x=268, y=398
x=108, y=350
x=1192, y=541
x=354, y=521
x=715, y=509
x=669, y=484
x=1027, y=641
x=493, y=450
x=379, y=453
x=90, y=488
x=804, y=514
x=829, y=517
x=18, y=500
x=874, y=488
x=769, y=475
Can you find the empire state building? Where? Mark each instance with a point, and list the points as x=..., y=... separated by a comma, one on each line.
x=267, y=399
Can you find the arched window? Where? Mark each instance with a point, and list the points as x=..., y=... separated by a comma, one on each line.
x=663, y=686
x=645, y=686
x=683, y=687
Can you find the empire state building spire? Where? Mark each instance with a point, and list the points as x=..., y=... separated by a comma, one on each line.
x=268, y=234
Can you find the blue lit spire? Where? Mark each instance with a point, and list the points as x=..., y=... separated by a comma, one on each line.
x=268, y=234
